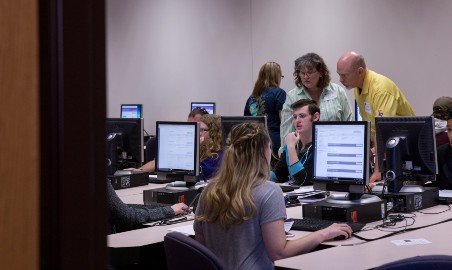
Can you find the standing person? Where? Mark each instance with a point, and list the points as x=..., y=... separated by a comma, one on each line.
x=444, y=153
x=210, y=145
x=240, y=215
x=268, y=99
x=375, y=94
x=312, y=79
x=296, y=162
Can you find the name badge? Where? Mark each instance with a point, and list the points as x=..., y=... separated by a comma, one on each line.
x=367, y=107
x=330, y=95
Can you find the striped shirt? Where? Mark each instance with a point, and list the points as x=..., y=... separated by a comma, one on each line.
x=333, y=105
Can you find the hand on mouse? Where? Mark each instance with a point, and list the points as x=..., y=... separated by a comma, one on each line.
x=339, y=230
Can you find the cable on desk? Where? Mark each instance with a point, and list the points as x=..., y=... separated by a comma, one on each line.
x=435, y=213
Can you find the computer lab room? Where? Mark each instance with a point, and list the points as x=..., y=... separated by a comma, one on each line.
x=238, y=134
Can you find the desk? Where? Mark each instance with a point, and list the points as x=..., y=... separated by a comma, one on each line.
x=375, y=253
x=138, y=245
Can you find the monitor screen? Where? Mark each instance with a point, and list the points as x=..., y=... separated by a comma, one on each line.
x=341, y=156
x=124, y=143
x=208, y=106
x=131, y=111
x=406, y=149
x=177, y=153
x=227, y=122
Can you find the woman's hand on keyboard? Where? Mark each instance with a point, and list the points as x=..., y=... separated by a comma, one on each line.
x=180, y=208
x=336, y=231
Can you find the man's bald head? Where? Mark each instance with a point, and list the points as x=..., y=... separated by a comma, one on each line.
x=351, y=68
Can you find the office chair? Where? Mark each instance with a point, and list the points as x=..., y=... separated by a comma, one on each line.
x=437, y=262
x=183, y=252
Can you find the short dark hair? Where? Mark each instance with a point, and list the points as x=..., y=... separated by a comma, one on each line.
x=312, y=105
x=449, y=117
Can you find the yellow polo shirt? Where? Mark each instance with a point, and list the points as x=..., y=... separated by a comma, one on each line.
x=380, y=96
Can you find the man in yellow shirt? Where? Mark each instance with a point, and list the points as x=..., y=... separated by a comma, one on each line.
x=375, y=94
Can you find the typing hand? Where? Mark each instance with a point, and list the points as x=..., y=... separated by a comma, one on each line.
x=180, y=208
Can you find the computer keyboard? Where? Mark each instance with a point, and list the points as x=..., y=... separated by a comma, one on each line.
x=288, y=188
x=314, y=224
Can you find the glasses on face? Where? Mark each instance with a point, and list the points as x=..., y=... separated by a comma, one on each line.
x=202, y=130
x=307, y=74
x=282, y=76
x=300, y=115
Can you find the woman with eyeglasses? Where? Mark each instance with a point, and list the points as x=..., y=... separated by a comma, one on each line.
x=312, y=80
x=240, y=214
x=210, y=145
x=267, y=99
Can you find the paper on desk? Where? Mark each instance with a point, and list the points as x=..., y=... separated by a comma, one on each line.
x=446, y=193
x=302, y=189
x=187, y=229
x=411, y=242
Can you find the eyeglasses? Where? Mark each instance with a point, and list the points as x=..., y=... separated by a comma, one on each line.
x=307, y=74
x=203, y=130
x=282, y=76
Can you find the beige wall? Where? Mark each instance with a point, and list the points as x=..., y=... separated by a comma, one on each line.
x=166, y=53
x=19, y=150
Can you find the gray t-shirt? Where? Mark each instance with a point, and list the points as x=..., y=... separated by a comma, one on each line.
x=242, y=246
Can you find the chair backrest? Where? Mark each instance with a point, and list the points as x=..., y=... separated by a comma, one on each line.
x=183, y=252
x=437, y=262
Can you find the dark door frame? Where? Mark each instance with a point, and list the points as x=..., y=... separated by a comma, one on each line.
x=73, y=225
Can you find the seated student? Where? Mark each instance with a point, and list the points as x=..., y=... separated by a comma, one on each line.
x=444, y=153
x=441, y=108
x=296, y=162
x=194, y=116
x=125, y=217
x=240, y=214
x=210, y=145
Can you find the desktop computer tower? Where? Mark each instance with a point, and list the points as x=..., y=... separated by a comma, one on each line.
x=406, y=202
x=133, y=179
x=354, y=213
x=167, y=196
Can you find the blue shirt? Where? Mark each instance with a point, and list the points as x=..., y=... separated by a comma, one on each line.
x=209, y=166
x=269, y=103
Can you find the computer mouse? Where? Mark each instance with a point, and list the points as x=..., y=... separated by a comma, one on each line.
x=340, y=237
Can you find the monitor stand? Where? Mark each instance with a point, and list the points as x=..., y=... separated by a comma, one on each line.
x=184, y=186
x=352, y=198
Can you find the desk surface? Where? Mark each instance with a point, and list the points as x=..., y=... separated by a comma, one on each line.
x=375, y=253
x=355, y=253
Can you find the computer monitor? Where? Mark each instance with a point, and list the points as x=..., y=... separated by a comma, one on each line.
x=124, y=143
x=177, y=152
x=341, y=159
x=208, y=106
x=406, y=149
x=227, y=122
x=131, y=111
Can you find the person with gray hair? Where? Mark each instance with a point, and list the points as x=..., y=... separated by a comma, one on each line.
x=313, y=82
x=375, y=94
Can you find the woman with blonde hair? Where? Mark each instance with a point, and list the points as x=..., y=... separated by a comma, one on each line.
x=267, y=99
x=210, y=145
x=240, y=215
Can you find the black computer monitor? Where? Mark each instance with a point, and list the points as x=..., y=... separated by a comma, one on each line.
x=177, y=152
x=341, y=158
x=131, y=111
x=406, y=149
x=208, y=106
x=227, y=122
x=124, y=143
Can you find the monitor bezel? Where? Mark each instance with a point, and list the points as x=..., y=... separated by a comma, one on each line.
x=239, y=119
x=200, y=103
x=140, y=123
x=186, y=175
x=351, y=185
x=140, y=106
